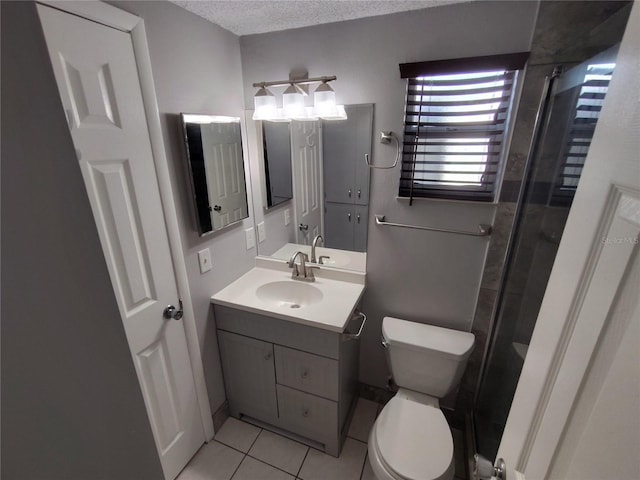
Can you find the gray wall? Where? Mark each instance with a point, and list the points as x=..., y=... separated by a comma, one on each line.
x=71, y=404
x=421, y=276
x=196, y=69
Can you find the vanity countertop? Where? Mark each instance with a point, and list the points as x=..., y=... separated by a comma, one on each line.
x=268, y=289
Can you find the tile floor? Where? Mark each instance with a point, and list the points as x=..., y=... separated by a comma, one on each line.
x=241, y=451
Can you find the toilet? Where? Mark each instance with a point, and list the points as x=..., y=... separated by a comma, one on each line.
x=410, y=439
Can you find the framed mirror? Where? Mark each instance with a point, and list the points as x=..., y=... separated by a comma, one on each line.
x=278, y=186
x=216, y=169
x=330, y=195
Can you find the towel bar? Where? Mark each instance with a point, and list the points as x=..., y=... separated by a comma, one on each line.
x=483, y=229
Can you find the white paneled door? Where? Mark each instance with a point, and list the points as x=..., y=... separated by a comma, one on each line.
x=98, y=81
x=307, y=180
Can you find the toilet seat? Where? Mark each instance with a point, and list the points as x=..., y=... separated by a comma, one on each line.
x=412, y=441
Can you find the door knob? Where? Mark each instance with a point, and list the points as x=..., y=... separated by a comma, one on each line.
x=217, y=208
x=302, y=227
x=171, y=312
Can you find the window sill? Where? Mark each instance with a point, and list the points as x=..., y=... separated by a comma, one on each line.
x=445, y=201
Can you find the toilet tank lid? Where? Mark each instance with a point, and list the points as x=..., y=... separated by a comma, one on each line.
x=422, y=336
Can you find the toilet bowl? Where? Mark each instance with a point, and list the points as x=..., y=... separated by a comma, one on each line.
x=410, y=439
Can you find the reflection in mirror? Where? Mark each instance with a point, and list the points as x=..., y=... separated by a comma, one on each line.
x=277, y=163
x=216, y=167
x=330, y=183
x=346, y=179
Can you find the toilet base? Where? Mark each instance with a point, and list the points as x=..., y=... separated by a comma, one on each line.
x=379, y=466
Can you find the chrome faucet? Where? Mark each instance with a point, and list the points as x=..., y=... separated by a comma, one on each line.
x=313, y=247
x=304, y=272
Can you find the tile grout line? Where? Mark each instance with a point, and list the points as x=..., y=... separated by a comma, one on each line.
x=237, y=449
x=303, y=460
x=255, y=440
x=238, y=467
x=364, y=464
x=277, y=468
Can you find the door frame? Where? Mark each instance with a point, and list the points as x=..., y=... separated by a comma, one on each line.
x=587, y=275
x=114, y=17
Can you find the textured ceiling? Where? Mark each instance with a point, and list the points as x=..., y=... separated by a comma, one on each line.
x=245, y=17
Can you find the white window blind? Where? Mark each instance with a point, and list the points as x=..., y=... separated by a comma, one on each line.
x=454, y=130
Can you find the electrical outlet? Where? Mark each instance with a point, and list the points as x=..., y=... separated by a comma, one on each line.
x=287, y=217
x=204, y=259
x=250, y=237
x=261, y=232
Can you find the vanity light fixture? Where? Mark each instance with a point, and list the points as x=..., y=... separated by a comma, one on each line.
x=265, y=105
x=293, y=103
x=324, y=100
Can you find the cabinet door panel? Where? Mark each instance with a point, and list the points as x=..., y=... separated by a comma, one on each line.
x=338, y=153
x=363, y=118
x=307, y=415
x=345, y=143
x=249, y=376
x=307, y=372
x=360, y=228
x=339, y=222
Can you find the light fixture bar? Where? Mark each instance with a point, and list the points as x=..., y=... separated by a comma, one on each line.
x=301, y=81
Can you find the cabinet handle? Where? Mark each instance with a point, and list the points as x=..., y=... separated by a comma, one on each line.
x=305, y=412
x=267, y=356
x=304, y=374
x=359, y=193
x=349, y=216
x=349, y=193
x=358, y=218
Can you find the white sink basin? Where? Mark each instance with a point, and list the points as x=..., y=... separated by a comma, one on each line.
x=291, y=294
x=268, y=289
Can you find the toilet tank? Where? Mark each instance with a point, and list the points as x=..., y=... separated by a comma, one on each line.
x=425, y=358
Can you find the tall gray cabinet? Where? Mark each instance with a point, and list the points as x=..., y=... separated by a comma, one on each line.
x=346, y=178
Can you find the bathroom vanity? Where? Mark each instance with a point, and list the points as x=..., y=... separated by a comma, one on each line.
x=290, y=355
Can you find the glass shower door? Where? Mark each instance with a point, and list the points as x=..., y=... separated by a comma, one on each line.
x=570, y=115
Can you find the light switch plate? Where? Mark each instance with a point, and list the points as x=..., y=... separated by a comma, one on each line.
x=250, y=237
x=287, y=217
x=204, y=259
x=261, y=232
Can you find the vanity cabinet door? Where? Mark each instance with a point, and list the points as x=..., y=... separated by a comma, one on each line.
x=249, y=376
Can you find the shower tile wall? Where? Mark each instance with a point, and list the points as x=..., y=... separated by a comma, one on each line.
x=566, y=32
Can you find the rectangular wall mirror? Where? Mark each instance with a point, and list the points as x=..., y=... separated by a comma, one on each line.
x=278, y=187
x=216, y=168
x=324, y=162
